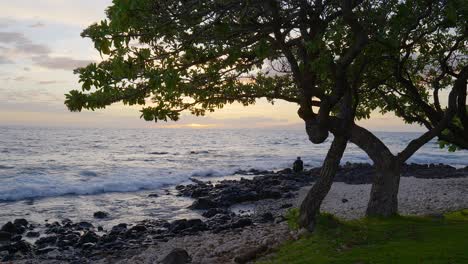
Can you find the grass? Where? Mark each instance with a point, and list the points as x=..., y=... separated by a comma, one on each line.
x=400, y=239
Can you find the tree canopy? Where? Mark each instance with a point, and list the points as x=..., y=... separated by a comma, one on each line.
x=171, y=56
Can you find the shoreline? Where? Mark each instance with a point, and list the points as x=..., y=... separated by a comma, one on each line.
x=236, y=234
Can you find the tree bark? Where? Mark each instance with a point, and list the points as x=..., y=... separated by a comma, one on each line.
x=383, y=200
x=310, y=207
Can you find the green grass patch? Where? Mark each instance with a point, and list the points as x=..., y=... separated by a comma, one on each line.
x=401, y=239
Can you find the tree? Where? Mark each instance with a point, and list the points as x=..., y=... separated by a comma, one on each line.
x=414, y=48
x=421, y=50
x=198, y=56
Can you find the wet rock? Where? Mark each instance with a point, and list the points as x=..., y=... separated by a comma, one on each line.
x=85, y=225
x=10, y=228
x=120, y=228
x=100, y=215
x=45, y=250
x=203, y=203
x=5, y=236
x=241, y=223
x=32, y=234
x=88, y=245
x=67, y=221
x=64, y=243
x=44, y=241
x=177, y=256
x=214, y=211
x=189, y=226
x=267, y=217
x=344, y=200
x=88, y=237
x=153, y=195
x=138, y=228
x=16, y=238
x=20, y=246
x=21, y=222
x=73, y=237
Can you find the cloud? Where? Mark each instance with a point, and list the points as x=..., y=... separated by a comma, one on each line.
x=21, y=46
x=12, y=37
x=47, y=82
x=78, y=13
x=16, y=79
x=59, y=63
x=34, y=49
x=20, y=78
x=5, y=60
x=37, y=25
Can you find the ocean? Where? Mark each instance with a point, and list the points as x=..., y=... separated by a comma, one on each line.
x=52, y=173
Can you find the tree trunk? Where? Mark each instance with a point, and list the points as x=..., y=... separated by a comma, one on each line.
x=383, y=200
x=311, y=205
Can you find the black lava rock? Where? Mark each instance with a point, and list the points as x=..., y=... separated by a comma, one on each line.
x=214, y=211
x=48, y=240
x=32, y=234
x=88, y=237
x=241, y=223
x=100, y=215
x=5, y=236
x=177, y=256
x=10, y=228
x=21, y=222
x=203, y=203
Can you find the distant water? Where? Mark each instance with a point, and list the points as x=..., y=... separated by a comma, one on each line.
x=43, y=162
x=114, y=163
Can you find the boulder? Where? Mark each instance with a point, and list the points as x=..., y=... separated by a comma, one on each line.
x=5, y=236
x=250, y=254
x=138, y=228
x=88, y=237
x=21, y=222
x=10, y=228
x=203, y=204
x=85, y=225
x=177, y=256
x=213, y=211
x=241, y=223
x=100, y=215
x=48, y=240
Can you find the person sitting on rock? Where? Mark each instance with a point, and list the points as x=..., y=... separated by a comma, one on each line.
x=298, y=165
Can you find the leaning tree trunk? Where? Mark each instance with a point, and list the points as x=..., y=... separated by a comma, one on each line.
x=383, y=200
x=384, y=193
x=311, y=205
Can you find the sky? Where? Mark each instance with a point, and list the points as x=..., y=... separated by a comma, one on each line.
x=40, y=45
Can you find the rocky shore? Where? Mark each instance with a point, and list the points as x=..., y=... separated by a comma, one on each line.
x=241, y=219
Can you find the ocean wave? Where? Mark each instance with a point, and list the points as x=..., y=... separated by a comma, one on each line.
x=212, y=173
x=30, y=187
x=196, y=152
x=3, y=167
x=158, y=153
x=88, y=173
